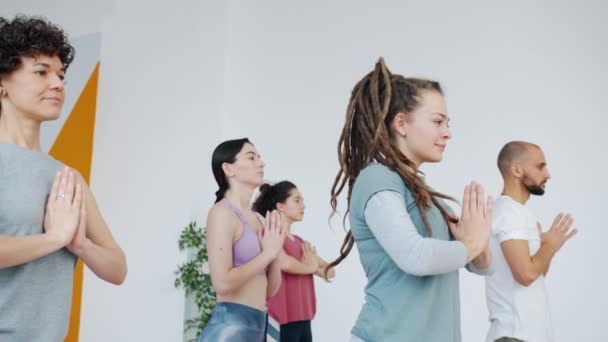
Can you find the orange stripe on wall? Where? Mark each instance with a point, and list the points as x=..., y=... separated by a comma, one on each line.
x=74, y=147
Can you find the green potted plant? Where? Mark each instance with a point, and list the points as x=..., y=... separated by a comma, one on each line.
x=194, y=277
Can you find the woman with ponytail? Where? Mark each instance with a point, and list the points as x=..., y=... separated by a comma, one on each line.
x=242, y=248
x=294, y=305
x=410, y=244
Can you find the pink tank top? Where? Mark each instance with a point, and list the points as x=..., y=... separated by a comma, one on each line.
x=247, y=246
x=295, y=300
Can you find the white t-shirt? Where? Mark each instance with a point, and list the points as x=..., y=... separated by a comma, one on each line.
x=515, y=310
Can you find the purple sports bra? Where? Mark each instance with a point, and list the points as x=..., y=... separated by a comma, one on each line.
x=247, y=246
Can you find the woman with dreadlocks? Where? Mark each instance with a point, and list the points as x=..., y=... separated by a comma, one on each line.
x=410, y=244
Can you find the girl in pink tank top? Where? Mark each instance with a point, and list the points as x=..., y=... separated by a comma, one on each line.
x=242, y=250
x=294, y=305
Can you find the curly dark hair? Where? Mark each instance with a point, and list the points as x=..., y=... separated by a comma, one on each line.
x=271, y=195
x=29, y=37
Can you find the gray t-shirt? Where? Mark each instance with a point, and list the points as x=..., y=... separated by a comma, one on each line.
x=35, y=297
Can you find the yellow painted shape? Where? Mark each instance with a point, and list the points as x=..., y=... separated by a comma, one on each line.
x=74, y=147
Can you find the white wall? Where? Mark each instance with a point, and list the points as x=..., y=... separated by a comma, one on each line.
x=177, y=78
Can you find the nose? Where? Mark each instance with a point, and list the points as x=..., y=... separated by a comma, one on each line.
x=548, y=174
x=57, y=83
x=447, y=134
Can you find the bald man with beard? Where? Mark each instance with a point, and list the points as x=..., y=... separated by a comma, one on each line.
x=516, y=293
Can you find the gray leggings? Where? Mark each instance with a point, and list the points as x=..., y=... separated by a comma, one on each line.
x=232, y=322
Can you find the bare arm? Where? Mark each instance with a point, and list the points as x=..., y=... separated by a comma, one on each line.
x=526, y=268
x=484, y=260
x=311, y=263
x=220, y=236
x=272, y=237
x=292, y=265
x=95, y=245
x=331, y=273
x=308, y=265
x=274, y=278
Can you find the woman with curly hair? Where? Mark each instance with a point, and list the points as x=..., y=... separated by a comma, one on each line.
x=48, y=215
x=410, y=245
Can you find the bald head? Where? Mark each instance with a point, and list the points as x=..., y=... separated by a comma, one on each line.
x=512, y=152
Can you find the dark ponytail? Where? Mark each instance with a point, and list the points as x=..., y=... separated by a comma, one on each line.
x=271, y=195
x=225, y=153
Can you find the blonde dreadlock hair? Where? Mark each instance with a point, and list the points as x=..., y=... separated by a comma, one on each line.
x=367, y=136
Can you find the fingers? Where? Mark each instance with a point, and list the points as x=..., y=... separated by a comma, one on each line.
x=61, y=190
x=473, y=201
x=280, y=228
x=466, y=201
x=480, y=198
x=54, y=189
x=556, y=221
x=566, y=222
x=82, y=224
x=311, y=248
x=266, y=226
x=279, y=223
x=272, y=224
x=275, y=228
x=70, y=187
x=78, y=202
x=571, y=234
x=489, y=208
x=305, y=250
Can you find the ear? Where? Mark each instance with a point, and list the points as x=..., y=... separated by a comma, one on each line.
x=227, y=168
x=517, y=170
x=281, y=207
x=401, y=124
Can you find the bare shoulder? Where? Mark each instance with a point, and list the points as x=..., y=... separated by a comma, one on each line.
x=221, y=217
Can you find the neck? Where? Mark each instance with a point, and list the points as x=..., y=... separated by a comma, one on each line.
x=19, y=131
x=288, y=223
x=240, y=195
x=402, y=146
x=516, y=190
x=410, y=156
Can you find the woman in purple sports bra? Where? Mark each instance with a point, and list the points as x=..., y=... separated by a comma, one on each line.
x=242, y=248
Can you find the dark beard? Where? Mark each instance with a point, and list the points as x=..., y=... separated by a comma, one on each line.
x=535, y=190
